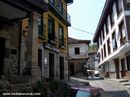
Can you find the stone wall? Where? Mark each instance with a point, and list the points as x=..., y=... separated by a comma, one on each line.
x=23, y=57
x=11, y=34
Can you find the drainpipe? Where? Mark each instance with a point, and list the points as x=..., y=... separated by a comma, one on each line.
x=19, y=53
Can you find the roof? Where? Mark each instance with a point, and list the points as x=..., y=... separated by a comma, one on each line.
x=106, y=10
x=75, y=41
x=29, y=5
x=86, y=88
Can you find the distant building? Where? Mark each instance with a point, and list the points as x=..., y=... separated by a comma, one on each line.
x=92, y=57
x=93, y=60
x=78, y=55
x=113, y=39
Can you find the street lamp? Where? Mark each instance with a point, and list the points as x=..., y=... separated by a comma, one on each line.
x=45, y=62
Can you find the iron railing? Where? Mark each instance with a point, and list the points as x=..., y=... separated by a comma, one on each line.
x=59, y=8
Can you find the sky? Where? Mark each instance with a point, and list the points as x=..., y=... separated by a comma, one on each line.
x=85, y=15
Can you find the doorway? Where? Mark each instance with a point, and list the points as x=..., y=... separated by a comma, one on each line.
x=2, y=54
x=61, y=68
x=116, y=62
x=71, y=69
x=128, y=62
x=40, y=58
x=51, y=65
x=123, y=72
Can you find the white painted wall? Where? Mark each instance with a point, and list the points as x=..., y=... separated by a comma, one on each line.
x=114, y=28
x=112, y=66
x=83, y=50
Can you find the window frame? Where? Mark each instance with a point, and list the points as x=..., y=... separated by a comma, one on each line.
x=122, y=39
x=114, y=40
x=112, y=17
x=108, y=46
x=51, y=29
x=77, y=50
x=118, y=7
x=61, y=34
x=40, y=26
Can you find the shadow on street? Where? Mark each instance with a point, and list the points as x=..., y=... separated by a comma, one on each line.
x=123, y=93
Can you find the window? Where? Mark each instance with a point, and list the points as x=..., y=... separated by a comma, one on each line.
x=122, y=33
x=112, y=17
x=128, y=3
x=101, y=40
x=77, y=50
x=128, y=62
x=108, y=46
x=114, y=42
x=40, y=58
x=60, y=6
x=40, y=26
x=51, y=29
x=107, y=28
x=99, y=57
x=103, y=34
x=61, y=35
x=119, y=6
x=102, y=53
x=104, y=47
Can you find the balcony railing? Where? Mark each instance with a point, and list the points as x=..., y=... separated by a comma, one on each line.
x=62, y=43
x=59, y=8
x=52, y=38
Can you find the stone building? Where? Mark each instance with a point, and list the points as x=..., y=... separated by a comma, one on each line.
x=78, y=55
x=52, y=40
x=11, y=37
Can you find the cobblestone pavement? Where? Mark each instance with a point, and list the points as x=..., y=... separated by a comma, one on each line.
x=112, y=88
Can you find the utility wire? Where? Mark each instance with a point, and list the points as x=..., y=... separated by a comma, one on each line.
x=81, y=30
x=75, y=28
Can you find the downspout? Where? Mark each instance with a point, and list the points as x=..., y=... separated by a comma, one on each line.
x=20, y=37
x=68, y=53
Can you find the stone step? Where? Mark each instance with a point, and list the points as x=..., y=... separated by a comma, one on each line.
x=125, y=83
x=122, y=80
x=128, y=86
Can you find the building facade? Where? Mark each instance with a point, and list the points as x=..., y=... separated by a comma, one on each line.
x=92, y=57
x=78, y=55
x=11, y=55
x=56, y=21
x=52, y=39
x=113, y=39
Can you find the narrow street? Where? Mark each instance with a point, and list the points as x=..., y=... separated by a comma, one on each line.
x=111, y=88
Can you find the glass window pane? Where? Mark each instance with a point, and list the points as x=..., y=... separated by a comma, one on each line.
x=83, y=94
